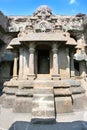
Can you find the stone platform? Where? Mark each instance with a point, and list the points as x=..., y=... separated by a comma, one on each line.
x=44, y=99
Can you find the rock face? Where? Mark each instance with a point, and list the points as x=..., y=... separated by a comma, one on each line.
x=44, y=64
x=3, y=21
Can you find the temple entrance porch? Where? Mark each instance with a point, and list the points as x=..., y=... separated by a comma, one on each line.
x=43, y=82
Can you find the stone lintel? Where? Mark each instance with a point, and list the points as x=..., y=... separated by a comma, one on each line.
x=43, y=37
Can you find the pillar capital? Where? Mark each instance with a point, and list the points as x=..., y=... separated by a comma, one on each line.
x=54, y=45
x=31, y=50
x=55, y=50
x=32, y=45
x=15, y=53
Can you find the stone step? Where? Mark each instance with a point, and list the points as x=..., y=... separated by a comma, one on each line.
x=43, y=85
x=79, y=101
x=74, y=83
x=43, y=110
x=43, y=114
x=63, y=104
x=62, y=92
x=61, y=85
x=42, y=104
x=77, y=90
x=45, y=97
x=25, y=92
x=43, y=91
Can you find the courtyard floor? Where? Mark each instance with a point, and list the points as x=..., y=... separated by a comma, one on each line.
x=21, y=121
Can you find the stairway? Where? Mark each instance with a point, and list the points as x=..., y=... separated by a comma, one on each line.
x=43, y=110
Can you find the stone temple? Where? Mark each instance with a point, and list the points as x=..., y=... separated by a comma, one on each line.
x=43, y=64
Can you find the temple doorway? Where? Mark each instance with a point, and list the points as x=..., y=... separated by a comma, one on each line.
x=43, y=62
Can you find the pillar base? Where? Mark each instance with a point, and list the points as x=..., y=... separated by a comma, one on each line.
x=31, y=77
x=56, y=77
x=15, y=77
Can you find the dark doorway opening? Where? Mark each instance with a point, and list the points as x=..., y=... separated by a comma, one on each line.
x=76, y=66
x=43, y=62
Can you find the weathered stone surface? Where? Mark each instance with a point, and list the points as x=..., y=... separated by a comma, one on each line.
x=3, y=21
x=10, y=91
x=24, y=92
x=63, y=104
x=2, y=98
x=43, y=37
x=43, y=105
x=79, y=101
x=62, y=92
x=48, y=97
x=61, y=84
x=73, y=83
x=22, y=105
x=43, y=114
x=77, y=90
x=43, y=91
x=19, y=83
x=65, y=22
x=8, y=101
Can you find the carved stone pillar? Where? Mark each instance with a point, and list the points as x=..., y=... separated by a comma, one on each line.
x=67, y=63
x=15, y=65
x=25, y=63
x=21, y=63
x=31, y=74
x=55, y=74
x=72, y=65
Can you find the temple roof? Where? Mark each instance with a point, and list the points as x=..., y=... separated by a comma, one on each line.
x=14, y=41
x=58, y=37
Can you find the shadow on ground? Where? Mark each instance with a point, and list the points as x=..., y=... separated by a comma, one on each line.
x=76, y=125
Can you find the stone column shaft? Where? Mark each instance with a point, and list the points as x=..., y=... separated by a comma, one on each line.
x=55, y=62
x=21, y=61
x=25, y=64
x=15, y=65
x=72, y=65
x=31, y=63
x=68, y=63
